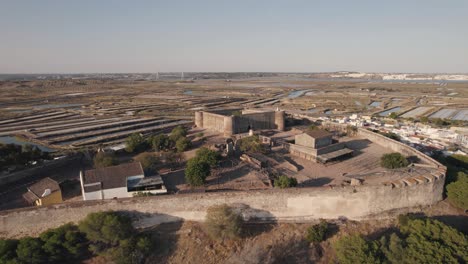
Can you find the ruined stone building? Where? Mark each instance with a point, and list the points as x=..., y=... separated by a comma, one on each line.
x=230, y=122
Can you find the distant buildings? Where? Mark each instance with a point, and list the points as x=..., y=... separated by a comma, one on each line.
x=118, y=182
x=44, y=192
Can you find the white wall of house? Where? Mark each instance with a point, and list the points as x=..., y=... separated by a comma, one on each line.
x=92, y=195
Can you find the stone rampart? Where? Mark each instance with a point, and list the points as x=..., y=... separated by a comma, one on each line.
x=295, y=204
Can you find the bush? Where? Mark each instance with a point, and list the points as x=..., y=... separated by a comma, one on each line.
x=222, y=222
x=457, y=191
x=393, y=161
x=106, y=229
x=149, y=162
x=102, y=160
x=161, y=142
x=416, y=241
x=317, y=233
x=134, y=143
x=199, y=134
x=63, y=243
x=132, y=250
x=8, y=250
x=183, y=144
x=177, y=133
x=207, y=155
x=172, y=159
x=30, y=250
x=251, y=144
x=354, y=249
x=285, y=182
x=196, y=172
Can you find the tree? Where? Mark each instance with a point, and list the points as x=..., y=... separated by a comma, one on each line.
x=393, y=161
x=149, y=162
x=106, y=229
x=196, y=172
x=102, y=160
x=161, y=142
x=284, y=181
x=427, y=241
x=182, y=144
x=393, y=115
x=30, y=250
x=354, y=249
x=132, y=250
x=457, y=191
x=177, y=133
x=424, y=119
x=251, y=144
x=8, y=250
x=223, y=222
x=172, y=159
x=135, y=142
x=207, y=155
x=317, y=233
x=63, y=243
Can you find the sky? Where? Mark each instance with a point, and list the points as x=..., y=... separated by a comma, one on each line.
x=89, y=36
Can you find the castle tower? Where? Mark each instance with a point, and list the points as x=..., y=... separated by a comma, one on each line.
x=279, y=120
x=199, y=119
x=228, y=126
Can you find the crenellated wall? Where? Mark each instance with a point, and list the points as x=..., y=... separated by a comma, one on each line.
x=294, y=204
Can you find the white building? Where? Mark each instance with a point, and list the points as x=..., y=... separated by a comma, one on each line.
x=118, y=182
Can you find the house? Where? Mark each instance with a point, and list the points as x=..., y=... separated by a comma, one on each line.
x=118, y=182
x=44, y=192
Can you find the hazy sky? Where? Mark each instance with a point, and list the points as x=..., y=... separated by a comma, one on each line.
x=42, y=36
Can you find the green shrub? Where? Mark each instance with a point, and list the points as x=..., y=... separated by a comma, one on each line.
x=222, y=222
x=317, y=233
x=183, y=144
x=417, y=241
x=251, y=144
x=177, y=133
x=102, y=160
x=196, y=172
x=161, y=142
x=106, y=229
x=132, y=250
x=135, y=142
x=200, y=134
x=149, y=162
x=284, y=181
x=63, y=243
x=393, y=161
x=30, y=250
x=207, y=155
x=8, y=250
x=143, y=194
x=354, y=249
x=458, y=160
x=457, y=191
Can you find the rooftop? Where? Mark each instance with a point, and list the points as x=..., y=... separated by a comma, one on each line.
x=39, y=187
x=114, y=176
x=317, y=133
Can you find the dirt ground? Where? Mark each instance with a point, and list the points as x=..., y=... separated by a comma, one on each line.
x=187, y=242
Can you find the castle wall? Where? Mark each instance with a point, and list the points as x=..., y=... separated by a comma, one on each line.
x=294, y=204
x=213, y=121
